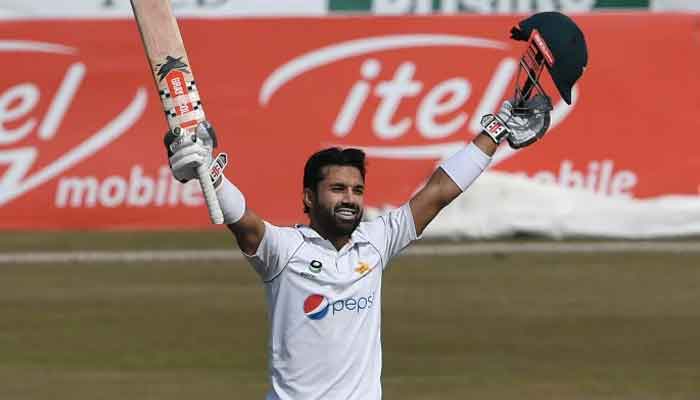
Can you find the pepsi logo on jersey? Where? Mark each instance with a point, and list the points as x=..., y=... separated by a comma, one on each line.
x=316, y=306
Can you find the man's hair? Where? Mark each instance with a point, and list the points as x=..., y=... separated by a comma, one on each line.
x=313, y=170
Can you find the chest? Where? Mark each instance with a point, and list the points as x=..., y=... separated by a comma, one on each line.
x=353, y=267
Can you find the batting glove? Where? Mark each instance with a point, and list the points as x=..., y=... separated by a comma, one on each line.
x=187, y=151
x=522, y=126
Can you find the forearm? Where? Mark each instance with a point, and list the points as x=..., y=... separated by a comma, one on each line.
x=467, y=164
x=249, y=232
x=437, y=193
x=246, y=226
x=454, y=176
x=231, y=200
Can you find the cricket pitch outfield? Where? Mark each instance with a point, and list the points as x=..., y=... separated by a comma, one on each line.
x=491, y=326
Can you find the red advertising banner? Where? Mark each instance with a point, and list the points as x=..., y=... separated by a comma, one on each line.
x=81, y=126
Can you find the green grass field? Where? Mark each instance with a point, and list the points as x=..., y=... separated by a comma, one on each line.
x=573, y=326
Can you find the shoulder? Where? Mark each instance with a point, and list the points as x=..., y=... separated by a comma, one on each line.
x=277, y=247
x=395, y=223
x=381, y=224
x=282, y=235
x=292, y=231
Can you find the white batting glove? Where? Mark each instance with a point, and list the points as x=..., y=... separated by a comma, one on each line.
x=522, y=126
x=186, y=152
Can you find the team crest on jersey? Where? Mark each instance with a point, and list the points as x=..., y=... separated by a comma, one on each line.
x=362, y=268
x=316, y=306
x=315, y=266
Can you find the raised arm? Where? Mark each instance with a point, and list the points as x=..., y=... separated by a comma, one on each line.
x=185, y=154
x=441, y=189
x=458, y=172
x=248, y=230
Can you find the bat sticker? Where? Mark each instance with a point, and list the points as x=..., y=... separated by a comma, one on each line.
x=171, y=64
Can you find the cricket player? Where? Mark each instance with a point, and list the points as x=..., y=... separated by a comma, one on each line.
x=323, y=280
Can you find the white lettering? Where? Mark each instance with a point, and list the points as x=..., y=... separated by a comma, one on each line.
x=24, y=98
x=138, y=190
x=479, y=6
x=112, y=191
x=599, y=177
x=141, y=188
x=192, y=194
x=81, y=191
x=576, y=5
x=569, y=178
x=545, y=177
x=503, y=6
x=392, y=6
x=62, y=100
x=482, y=6
x=391, y=94
x=432, y=120
x=164, y=178
x=545, y=5
x=590, y=179
x=455, y=93
x=174, y=194
x=356, y=99
x=423, y=6
x=494, y=92
x=18, y=161
x=622, y=183
x=177, y=86
x=449, y=6
x=605, y=174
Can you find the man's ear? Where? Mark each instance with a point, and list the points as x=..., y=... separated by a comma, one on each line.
x=309, y=197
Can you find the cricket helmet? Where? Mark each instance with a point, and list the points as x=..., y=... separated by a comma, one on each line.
x=556, y=42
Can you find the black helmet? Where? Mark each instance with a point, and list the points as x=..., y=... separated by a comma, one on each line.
x=564, y=51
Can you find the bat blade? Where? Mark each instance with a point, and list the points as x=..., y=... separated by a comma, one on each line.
x=174, y=80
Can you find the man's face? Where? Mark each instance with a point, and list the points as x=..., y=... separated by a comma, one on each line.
x=338, y=203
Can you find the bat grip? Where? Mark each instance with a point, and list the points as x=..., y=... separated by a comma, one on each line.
x=217, y=217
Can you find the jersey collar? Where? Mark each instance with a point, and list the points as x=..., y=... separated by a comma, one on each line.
x=310, y=233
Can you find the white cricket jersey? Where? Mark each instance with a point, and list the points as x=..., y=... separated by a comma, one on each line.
x=324, y=307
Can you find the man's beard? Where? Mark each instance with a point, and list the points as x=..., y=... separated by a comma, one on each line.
x=333, y=223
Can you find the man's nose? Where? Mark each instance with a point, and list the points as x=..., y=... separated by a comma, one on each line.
x=349, y=196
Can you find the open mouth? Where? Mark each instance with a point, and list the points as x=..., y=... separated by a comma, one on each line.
x=347, y=214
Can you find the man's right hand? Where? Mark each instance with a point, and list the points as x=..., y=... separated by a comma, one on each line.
x=186, y=152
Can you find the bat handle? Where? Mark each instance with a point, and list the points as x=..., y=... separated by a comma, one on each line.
x=217, y=217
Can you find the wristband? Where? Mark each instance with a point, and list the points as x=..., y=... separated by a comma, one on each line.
x=231, y=201
x=466, y=165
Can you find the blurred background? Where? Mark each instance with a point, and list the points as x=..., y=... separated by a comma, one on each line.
x=569, y=270
x=81, y=126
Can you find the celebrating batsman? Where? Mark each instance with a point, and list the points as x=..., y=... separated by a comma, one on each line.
x=323, y=281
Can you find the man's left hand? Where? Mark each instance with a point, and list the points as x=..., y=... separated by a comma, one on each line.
x=521, y=126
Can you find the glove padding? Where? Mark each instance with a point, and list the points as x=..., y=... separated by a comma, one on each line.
x=187, y=151
x=522, y=126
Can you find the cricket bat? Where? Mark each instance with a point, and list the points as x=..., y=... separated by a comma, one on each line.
x=174, y=80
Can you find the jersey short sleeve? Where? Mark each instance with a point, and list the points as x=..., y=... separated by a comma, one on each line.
x=391, y=232
x=277, y=247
